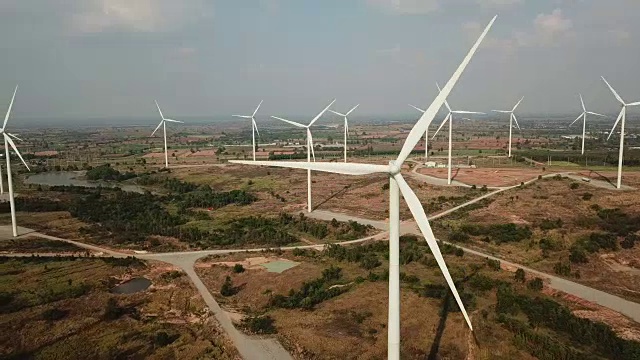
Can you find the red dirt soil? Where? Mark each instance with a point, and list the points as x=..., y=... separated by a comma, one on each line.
x=487, y=176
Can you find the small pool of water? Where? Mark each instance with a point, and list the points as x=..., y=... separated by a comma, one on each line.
x=132, y=286
x=279, y=265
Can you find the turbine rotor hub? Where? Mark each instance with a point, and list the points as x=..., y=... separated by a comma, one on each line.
x=394, y=169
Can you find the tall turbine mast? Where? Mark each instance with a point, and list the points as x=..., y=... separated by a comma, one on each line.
x=449, y=118
x=8, y=143
x=397, y=186
x=623, y=116
x=310, y=150
x=254, y=127
x=346, y=127
x=512, y=118
x=584, y=120
x=163, y=123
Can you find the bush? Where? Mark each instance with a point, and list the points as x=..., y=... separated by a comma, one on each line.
x=547, y=244
x=458, y=236
x=562, y=268
x=259, y=324
x=587, y=196
x=54, y=314
x=163, y=339
x=574, y=186
x=536, y=284
x=629, y=241
x=548, y=224
x=238, y=268
x=112, y=311
x=520, y=275
x=493, y=264
x=227, y=288
x=578, y=255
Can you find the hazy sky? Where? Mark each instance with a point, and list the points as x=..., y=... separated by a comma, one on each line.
x=112, y=58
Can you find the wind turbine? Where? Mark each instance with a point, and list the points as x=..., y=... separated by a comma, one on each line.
x=398, y=185
x=254, y=127
x=512, y=118
x=584, y=120
x=346, y=127
x=449, y=118
x=163, y=123
x=426, y=137
x=310, y=150
x=9, y=142
x=623, y=116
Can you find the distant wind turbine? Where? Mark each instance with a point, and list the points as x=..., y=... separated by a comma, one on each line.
x=426, y=137
x=310, y=151
x=346, y=127
x=254, y=127
x=449, y=118
x=584, y=120
x=163, y=123
x=8, y=142
x=623, y=116
x=512, y=118
x=398, y=185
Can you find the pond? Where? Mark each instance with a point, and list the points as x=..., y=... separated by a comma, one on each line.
x=69, y=178
x=132, y=286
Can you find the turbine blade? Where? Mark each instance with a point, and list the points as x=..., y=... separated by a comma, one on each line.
x=616, y=124
x=447, y=118
x=468, y=112
x=516, y=121
x=15, y=149
x=255, y=126
x=258, y=108
x=290, y=122
x=352, y=109
x=634, y=103
x=578, y=118
x=613, y=91
x=582, y=102
x=160, y=111
x=174, y=121
x=157, y=127
x=417, y=108
x=337, y=168
x=15, y=137
x=337, y=113
x=415, y=135
x=310, y=140
x=423, y=223
x=6, y=117
x=595, y=113
x=321, y=113
x=514, y=108
x=502, y=111
x=446, y=103
x=242, y=116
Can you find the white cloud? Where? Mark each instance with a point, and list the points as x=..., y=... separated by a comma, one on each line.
x=408, y=7
x=96, y=16
x=552, y=28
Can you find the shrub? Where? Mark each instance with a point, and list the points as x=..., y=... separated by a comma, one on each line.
x=629, y=241
x=54, y=314
x=562, y=268
x=548, y=224
x=547, y=244
x=238, y=268
x=259, y=324
x=493, y=264
x=458, y=236
x=163, y=339
x=112, y=311
x=574, y=186
x=578, y=255
x=227, y=288
x=587, y=196
x=535, y=284
x=520, y=275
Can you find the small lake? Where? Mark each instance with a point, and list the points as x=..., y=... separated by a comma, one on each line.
x=132, y=286
x=69, y=178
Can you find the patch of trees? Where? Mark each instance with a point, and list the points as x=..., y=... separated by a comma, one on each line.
x=107, y=173
x=618, y=222
x=500, y=233
x=550, y=224
x=260, y=325
x=33, y=204
x=312, y=292
x=592, y=244
x=205, y=197
x=46, y=294
x=543, y=312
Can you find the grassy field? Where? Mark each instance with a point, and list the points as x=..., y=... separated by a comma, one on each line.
x=61, y=308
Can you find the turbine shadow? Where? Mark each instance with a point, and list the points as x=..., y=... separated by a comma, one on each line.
x=359, y=183
x=455, y=174
x=604, y=178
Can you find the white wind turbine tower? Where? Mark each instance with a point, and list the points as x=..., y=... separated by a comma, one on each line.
x=426, y=137
x=623, y=116
x=398, y=185
x=310, y=151
x=512, y=118
x=9, y=142
x=163, y=123
x=584, y=120
x=346, y=127
x=254, y=127
x=449, y=118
